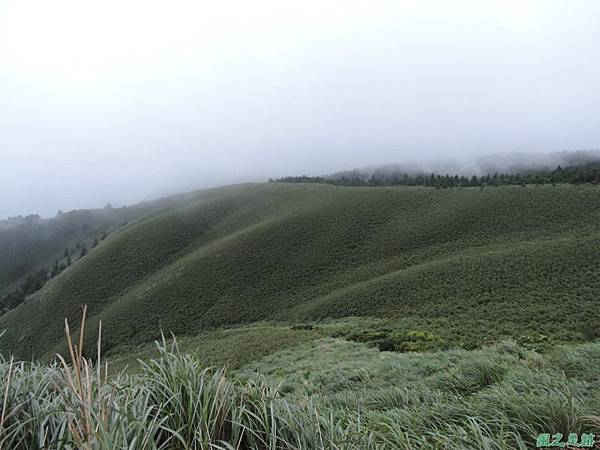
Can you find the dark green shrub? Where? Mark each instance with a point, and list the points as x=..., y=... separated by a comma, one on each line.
x=302, y=326
x=386, y=345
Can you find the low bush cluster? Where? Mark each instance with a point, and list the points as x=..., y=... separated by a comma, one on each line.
x=399, y=340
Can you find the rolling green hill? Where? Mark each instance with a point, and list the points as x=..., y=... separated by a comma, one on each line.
x=468, y=265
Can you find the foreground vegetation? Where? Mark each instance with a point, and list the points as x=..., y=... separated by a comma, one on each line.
x=326, y=393
x=500, y=397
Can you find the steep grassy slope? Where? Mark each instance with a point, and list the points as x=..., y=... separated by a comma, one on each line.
x=31, y=243
x=466, y=264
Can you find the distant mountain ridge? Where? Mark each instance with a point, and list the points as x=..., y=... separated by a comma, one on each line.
x=568, y=167
x=482, y=165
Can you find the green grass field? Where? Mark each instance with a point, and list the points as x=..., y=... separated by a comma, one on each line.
x=467, y=265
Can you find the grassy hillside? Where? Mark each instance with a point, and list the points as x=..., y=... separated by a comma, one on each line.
x=467, y=265
x=32, y=243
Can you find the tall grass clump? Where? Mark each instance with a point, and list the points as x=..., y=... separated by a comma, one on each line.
x=74, y=404
x=204, y=409
x=173, y=403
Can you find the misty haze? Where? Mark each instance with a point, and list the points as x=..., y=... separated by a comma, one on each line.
x=125, y=101
x=298, y=225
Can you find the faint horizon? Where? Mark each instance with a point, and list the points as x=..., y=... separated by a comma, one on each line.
x=480, y=165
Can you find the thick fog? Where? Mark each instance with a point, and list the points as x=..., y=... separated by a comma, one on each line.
x=119, y=101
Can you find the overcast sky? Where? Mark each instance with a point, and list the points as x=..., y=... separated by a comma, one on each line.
x=119, y=101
